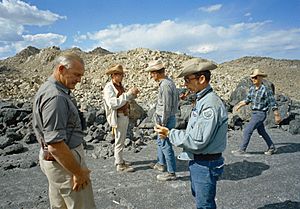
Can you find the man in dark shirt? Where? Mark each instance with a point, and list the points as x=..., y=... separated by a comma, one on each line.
x=57, y=126
x=261, y=99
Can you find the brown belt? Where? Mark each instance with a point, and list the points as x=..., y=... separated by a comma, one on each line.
x=47, y=155
x=207, y=157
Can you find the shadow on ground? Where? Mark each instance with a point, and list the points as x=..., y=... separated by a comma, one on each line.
x=282, y=205
x=243, y=170
x=287, y=147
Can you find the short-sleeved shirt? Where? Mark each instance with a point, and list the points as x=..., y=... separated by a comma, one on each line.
x=55, y=115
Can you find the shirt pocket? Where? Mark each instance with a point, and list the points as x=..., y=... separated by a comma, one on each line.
x=196, y=127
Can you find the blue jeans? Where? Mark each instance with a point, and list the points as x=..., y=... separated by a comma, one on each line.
x=165, y=152
x=204, y=175
x=256, y=122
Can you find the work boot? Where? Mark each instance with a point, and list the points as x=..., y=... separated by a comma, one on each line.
x=239, y=152
x=125, y=168
x=157, y=166
x=126, y=162
x=271, y=151
x=166, y=177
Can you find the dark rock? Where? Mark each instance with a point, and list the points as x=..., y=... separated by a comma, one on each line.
x=14, y=149
x=294, y=127
x=5, y=142
x=27, y=164
x=9, y=115
x=14, y=136
x=100, y=119
x=90, y=117
x=30, y=138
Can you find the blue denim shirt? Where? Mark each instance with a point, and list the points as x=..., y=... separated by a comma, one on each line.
x=261, y=99
x=206, y=132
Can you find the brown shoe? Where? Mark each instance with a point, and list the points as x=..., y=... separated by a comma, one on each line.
x=125, y=168
x=157, y=166
x=126, y=163
x=166, y=177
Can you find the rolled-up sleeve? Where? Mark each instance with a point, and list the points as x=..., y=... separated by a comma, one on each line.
x=272, y=100
x=55, y=118
x=249, y=96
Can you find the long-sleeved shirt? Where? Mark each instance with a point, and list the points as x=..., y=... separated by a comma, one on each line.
x=167, y=101
x=261, y=99
x=206, y=132
x=112, y=102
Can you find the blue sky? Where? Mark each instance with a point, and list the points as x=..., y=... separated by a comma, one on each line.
x=217, y=30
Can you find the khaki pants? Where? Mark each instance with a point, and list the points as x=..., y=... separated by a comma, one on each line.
x=61, y=195
x=120, y=136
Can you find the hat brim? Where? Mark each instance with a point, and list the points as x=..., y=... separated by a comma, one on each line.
x=154, y=68
x=262, y=75
x=116, y=71
x=197, y=67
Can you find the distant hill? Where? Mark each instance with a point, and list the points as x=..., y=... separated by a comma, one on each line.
x=21, y=75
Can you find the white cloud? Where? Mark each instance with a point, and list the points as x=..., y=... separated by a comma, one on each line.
x=15, y=15
x=203, y=48
x=247, y=14
x=40, y=41
x=239, y=39
x=212, y=8
x=24, y=14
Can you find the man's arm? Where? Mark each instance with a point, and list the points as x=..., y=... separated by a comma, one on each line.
x=115, y=102
x=63, y=155
x=240, y=104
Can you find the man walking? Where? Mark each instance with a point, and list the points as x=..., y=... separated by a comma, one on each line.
x=261, y=99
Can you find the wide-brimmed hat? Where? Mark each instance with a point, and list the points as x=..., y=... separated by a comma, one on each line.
x=196, y=65
x=115, y=69
x=155, y=65
x=257, y=72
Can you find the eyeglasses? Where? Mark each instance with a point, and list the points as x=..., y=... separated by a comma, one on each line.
x=187, y=80
x=255, y=77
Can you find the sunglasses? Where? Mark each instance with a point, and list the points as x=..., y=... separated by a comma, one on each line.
x=187, y=80
x=255, y=77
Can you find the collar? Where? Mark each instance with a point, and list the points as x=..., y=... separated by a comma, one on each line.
x=165, y=78
x=59, y=85
x=203, y=92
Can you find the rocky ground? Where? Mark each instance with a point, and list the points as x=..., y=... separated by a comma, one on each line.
x=254, y=182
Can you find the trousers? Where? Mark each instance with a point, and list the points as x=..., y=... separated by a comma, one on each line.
x=61, y=195
x=120, y=135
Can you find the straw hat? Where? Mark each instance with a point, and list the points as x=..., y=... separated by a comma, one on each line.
x=115, y=69
x=258, y=72
x=196, y=65
x=155, y=65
